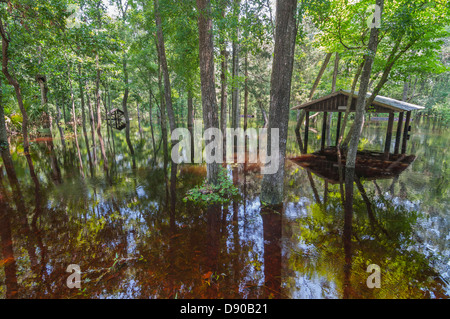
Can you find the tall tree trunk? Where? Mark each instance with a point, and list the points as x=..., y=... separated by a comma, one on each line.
x=58, y=125
x=83, y=115
x=99, y=114
x=246, y=97
x=263, y=111
x=362, y=94
x=223, y=84
x=139, y=119
x=335, y=72
x=92, y=123
x=45, y=117
x=190, y=120
x=125, y=111
x=151, y=117
x=162, y=110
x=4, y=144
x=359, y=117
x=235, y=97
x=74, y=120
x=313, y=90
x=342, y=131
x=12, y=81
x=272, y=187
x=333, y=89
x=206, y=54
x=165, y=70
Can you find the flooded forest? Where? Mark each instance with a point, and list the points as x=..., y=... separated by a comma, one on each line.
x=120, y=179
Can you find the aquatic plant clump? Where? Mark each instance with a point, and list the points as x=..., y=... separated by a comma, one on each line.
x=207, y=194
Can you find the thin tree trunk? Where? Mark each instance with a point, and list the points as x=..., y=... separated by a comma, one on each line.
x=361, y=102
x=83, y=114
x=12, y=81
x=60, y=129
x=45, y=117
x=246, y=97
x=235, y=96
x=139, y=119
x=342, y=131
x=263, y=111
x=190, y=120
x=333, y=89
x=125, y=111
x=162, y=110
x=313, y=90
x=74, y=121
x=151, y=118
x=92, y=123
x=224, y=91
x=99, y=114
x=359, y=118
x=165, y=70
x=4, y=144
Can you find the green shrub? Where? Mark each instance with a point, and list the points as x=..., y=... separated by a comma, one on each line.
x=208, y=194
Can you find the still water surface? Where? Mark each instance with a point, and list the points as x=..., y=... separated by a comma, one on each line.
x=133, y=236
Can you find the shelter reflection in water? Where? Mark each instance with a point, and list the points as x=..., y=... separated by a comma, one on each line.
x=370, y=165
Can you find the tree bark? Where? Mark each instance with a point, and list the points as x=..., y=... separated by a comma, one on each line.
x=45, y=117
x=313, y=90
x=74, y=121
x=363, y=87
x=92, y=123
x=125, y=110
x=12, y=81
x=151, y=117
x=272, y=188
x=223, y=90
x=190, y=120
x=206, y=54
x=333, y=89
x=83, y=114
x=165, y=70
x=4, y=144
x=99, y=114
x=163, y=119
x=235, y=96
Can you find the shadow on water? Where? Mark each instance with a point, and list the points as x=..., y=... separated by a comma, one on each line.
x=133, y=235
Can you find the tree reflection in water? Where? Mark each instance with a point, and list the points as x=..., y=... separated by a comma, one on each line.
x=134, y=236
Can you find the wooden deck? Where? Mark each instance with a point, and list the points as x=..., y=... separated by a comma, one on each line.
x=369, y=165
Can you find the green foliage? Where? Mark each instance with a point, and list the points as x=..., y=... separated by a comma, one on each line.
x=208, y=194
x=16, y=120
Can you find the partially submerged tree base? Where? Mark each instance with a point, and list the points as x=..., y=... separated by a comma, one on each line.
x=220, y=193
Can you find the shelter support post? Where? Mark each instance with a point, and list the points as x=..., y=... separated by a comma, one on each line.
x=338, y=129
x=398, y=136
x=324, y=130
x=305, y=146
x=406, y=131
x=387, y=145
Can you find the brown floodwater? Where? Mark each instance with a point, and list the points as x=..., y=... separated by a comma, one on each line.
x=127, y=227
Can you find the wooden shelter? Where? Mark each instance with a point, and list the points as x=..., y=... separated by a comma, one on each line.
x=116, y=119
x=337, y=102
